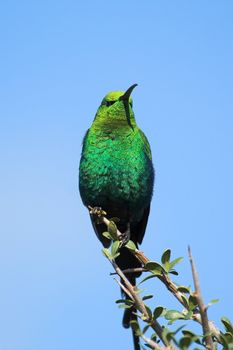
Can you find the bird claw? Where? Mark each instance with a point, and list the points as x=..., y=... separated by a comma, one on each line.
x=98, y=211
x=125, y=236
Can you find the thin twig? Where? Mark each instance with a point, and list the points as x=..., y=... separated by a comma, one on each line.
x=147, y=340
x=152, y=343
x=140, y=304
x=123, y=288
x=126, y=271
x=201, y=305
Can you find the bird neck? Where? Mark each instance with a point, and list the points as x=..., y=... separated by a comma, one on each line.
x=114, y=120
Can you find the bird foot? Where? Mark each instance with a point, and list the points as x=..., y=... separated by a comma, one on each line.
x=98, y=212
x=125, y=236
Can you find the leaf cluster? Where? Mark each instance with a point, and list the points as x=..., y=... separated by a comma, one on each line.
x=159, y=316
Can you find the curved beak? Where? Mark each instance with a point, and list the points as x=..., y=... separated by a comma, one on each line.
x=128, y=92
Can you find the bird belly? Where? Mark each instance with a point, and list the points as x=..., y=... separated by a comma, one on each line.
x=117, y=180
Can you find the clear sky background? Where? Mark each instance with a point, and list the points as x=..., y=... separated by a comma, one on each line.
x=58, y=60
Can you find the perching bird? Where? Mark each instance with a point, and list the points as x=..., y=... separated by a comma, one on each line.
x=116, y=173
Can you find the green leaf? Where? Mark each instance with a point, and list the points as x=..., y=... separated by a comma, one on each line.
x=154, y=267
x=170, y=335
x=192, y=302
x=114, y=248
x=124, y=306
x=229, y=337
x=165, y=259
x=175, y=261
x=147, y=297
x=148, y=346
x=178, y=329
x=167, y=334
x=138, y=291
x=145, y=328
x=224, y=341
x=124, y=301
x=112, y=229
x=195, y=337
x=188, y=333
x=173, y=315
x=107, y=235
x=185, y=301
x=212, y=302
x=148, y=311
x=174, y=272
x=158, y=311
x=166, y=267
x=188, y=314
x=183, y=289
x=106, y=253
x=166, y=256
x=227, y=324
x=137, y=314
x=131, y=246
x=185, y=342
x=153, y=337
x=147, y=278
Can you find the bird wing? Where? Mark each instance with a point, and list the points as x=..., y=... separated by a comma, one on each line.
x=141, y=225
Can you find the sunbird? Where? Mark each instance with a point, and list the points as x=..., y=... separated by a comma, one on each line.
x=116, y=174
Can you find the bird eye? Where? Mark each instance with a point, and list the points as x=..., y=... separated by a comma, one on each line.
x=109, y=103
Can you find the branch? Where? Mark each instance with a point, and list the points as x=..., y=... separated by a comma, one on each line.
x=201, y=305
x=139, y=304
x=123, y=288
x=165, y=279
x=171, y=286
x=153, y=344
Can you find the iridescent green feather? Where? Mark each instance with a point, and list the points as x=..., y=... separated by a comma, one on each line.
x=116, y=162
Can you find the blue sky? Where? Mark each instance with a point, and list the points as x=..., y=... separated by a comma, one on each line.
x=58, y=60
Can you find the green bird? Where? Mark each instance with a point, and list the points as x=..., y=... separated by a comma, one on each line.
x=116, y=173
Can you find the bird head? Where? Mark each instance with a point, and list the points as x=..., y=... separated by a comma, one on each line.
x=117, y=106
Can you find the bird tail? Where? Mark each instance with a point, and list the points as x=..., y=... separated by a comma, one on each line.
x=136, y=340
x=129, y=315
